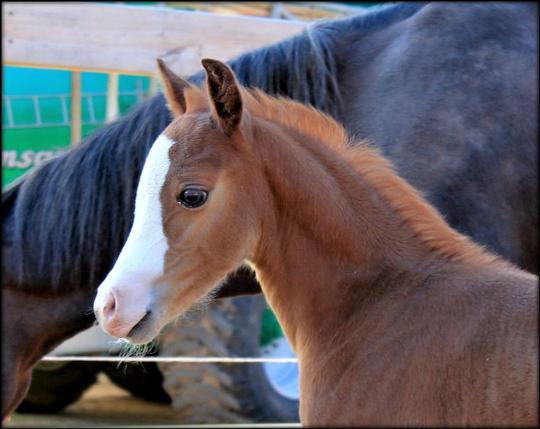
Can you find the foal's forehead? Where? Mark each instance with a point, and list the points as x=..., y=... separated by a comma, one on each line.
x=194, y=139
x=186, y=134
x=187, y=130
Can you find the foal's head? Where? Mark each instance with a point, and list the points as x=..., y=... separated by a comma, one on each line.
x=196, y=208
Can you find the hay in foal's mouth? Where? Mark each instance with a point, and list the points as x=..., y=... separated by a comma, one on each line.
x=129, y=350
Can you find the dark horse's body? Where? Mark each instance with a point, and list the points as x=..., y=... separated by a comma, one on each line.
x=448, y=91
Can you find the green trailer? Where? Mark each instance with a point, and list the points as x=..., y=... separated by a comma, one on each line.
x=36, y=106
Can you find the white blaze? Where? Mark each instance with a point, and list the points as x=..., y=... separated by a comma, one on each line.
x=141, y=260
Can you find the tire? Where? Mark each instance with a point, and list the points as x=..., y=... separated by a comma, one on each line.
x=55, y=385
x=222, y=392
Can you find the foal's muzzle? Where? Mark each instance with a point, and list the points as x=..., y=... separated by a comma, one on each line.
x=116, y=317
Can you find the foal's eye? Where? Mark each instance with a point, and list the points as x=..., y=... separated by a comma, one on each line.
x=192, y=197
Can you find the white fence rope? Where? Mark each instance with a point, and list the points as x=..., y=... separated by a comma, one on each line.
x=184, y=359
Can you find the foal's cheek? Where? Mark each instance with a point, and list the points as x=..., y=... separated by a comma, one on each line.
x=170, y=265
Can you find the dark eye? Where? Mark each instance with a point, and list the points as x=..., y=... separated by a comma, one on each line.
x=192, y=197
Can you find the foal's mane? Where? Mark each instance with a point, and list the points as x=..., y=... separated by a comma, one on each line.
x=425, y=220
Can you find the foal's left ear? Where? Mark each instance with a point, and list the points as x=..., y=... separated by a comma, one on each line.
x=224, y=95
x=174, y=87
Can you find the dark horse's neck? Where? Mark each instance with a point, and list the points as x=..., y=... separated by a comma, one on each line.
x=344, y=230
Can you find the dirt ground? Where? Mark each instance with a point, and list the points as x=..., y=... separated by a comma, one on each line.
x=106, y=405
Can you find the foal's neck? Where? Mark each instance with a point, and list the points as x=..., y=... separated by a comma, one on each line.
x=341, y=226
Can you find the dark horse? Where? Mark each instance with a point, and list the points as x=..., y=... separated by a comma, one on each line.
x=448, y=92
x=395, y=317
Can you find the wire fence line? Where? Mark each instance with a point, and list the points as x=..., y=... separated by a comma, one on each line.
x=183, y=359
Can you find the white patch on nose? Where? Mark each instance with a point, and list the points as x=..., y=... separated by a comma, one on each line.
x=141, y=260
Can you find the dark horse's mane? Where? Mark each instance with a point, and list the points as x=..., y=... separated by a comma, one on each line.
x=57, y=211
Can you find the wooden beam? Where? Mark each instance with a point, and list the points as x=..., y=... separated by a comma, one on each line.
x=128, y=39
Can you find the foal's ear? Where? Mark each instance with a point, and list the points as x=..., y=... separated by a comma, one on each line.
x=224, y=95
x=174, y=87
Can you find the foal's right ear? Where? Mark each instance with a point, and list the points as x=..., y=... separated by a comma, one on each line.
x=174, y=87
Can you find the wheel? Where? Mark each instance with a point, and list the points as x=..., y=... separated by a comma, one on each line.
x=230, y=392
x=282, y=378
x=269, y=390
x=55, y=385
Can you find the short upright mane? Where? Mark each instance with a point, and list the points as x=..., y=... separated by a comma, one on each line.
x=304, y=118
x=425, y=220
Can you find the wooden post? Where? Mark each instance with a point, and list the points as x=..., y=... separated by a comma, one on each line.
x=76, y=120
x=153, y=89
x=112, y=97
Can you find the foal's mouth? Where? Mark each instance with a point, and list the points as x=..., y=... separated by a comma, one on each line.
x=140, y=327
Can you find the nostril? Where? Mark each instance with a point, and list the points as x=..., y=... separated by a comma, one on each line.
x=109, y=309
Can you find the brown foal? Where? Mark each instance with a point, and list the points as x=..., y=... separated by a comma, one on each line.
x=396, y=318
